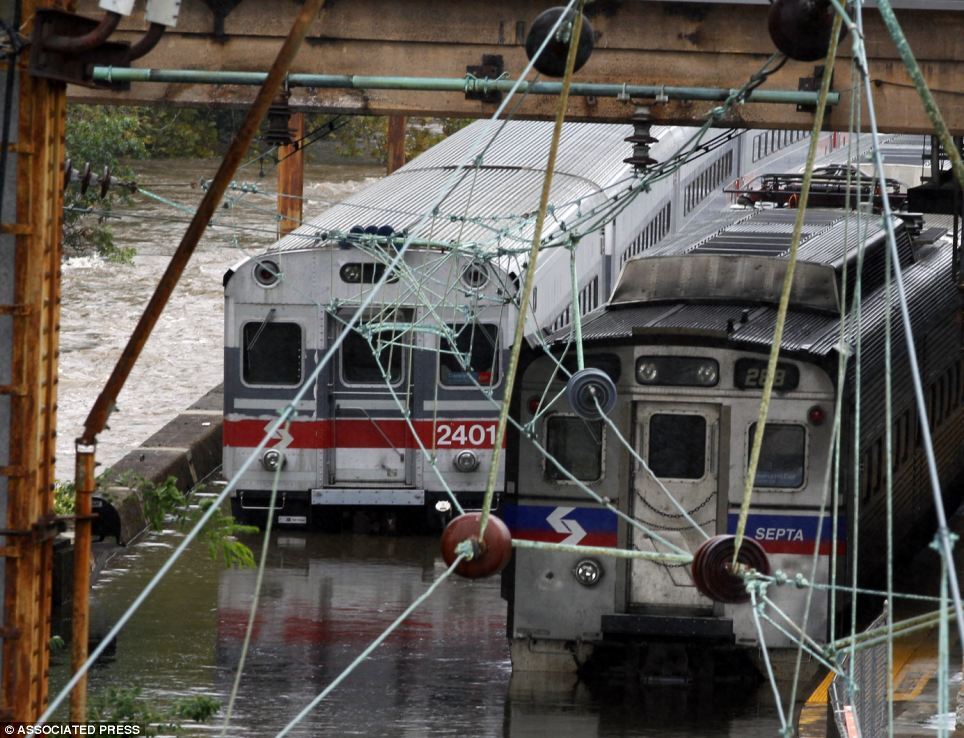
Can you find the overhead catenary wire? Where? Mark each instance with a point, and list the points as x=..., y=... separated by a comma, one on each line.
x=785, y=295
x=284, y=415
x=529, y=278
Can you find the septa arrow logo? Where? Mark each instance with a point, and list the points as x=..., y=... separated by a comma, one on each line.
x=283, y=437
x=575, y=531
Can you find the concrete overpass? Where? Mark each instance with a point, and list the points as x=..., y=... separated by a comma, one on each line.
x=702, y=44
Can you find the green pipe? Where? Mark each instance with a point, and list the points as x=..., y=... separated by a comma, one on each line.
x=453, y=84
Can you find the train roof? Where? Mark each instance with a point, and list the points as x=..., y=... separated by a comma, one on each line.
x=494, y=204
x=746, y=258
x=728, y=292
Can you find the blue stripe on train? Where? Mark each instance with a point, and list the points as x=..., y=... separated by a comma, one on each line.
x=556, y=523
x=793, y=534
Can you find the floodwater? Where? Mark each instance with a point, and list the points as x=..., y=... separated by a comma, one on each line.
x=325, y=597
x=446, y=671
x=101, y=302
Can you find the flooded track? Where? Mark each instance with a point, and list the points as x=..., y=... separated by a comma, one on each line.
x=326, y=597
x=444, y=672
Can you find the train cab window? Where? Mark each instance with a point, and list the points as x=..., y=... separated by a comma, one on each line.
x=576, y=444
x=271, y=353
x=360, y=364
x=677, y=446
x=479, y=344
x=782, y=457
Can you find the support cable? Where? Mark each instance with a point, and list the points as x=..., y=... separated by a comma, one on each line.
x=785, y=292
x=285, y=414
x=529, y=279
x=943, y=531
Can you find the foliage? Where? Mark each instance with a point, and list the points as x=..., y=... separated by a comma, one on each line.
x=64, y=498
x=164, y=502
x=106, y=136
x=198, y=709
x=101, y=137
x=367, y=136
x=219, y=535
x=160, y=500
x=128, y=706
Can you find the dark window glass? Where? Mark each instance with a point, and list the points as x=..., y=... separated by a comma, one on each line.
x=677, y=446
x=359, y=362
x=577, y=445
x=782, y=456
x=479, y=345
x=679, y=371
x=271, y=353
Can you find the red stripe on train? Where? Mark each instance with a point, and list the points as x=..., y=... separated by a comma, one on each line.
x=364, y=433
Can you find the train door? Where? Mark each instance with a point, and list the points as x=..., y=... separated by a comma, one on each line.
x=370, y=393
x=680, y=443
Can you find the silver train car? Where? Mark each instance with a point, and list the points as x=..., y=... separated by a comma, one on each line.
x=685, y=339
x=396, y=422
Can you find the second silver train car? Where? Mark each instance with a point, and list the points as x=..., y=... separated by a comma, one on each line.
x=685, y=339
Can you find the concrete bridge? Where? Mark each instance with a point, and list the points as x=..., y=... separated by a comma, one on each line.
x=638, y=42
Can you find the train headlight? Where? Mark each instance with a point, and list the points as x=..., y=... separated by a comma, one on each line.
x=475, y=276
x=267, y=273
x=707, y=374
x=588, y=572
x=466, y=461
x=272, y=459
x=646, y=372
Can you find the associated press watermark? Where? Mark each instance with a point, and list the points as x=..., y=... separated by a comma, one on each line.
x=69, y=729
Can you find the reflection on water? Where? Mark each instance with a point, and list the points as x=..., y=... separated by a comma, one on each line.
x=445, y=671
x=102, y=302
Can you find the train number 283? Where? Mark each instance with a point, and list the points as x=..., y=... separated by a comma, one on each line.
x=474, y=434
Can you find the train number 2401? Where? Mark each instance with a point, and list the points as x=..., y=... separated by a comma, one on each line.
x=465, y=434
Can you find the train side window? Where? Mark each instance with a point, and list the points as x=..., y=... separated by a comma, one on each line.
x=479, y=343
x=271, y=353
x=360, y=364
x=783, y=456
x=677, y=446
x=577, y=445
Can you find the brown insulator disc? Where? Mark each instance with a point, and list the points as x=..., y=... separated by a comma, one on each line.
x=491, y=554
x=712, y=567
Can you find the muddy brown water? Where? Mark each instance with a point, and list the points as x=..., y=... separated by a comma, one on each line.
x=446, y=671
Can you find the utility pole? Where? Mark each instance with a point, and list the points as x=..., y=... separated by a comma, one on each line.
x=33, y=119
x=291, y=177
x=396, y=142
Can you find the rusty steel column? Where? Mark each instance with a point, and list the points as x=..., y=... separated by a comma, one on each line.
x=291, y=177
x=85, y=482
x=30, y=232
x=396, y=142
